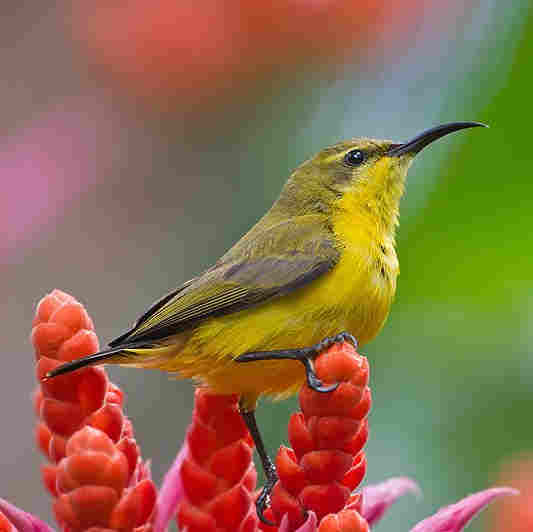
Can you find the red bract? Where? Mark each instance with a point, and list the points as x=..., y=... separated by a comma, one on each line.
x=326, y=462
x=217, y=472
x=344, y=521
x=96, y=473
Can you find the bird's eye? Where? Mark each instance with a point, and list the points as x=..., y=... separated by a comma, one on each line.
x=354, y=157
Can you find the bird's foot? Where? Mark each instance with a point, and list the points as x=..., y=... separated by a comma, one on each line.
x=337, y=339
x=305, y=355
x=263, y=501
x=268, y=467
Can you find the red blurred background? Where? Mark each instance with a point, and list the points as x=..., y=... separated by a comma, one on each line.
x=210, y=54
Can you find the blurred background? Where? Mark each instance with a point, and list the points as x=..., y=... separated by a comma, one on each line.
x=140, y=139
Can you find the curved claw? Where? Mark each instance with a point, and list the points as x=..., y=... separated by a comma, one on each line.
x=337, y=339
x=318, y=387
x=261, y=504
x=262, y=500
x=347, y=337
x=313, y=381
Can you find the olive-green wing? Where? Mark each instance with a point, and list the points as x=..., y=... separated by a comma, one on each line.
x=263, y=265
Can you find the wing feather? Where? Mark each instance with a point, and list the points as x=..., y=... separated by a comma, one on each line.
x=263, y=265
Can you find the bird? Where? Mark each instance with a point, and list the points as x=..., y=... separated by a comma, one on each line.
x=319, y=267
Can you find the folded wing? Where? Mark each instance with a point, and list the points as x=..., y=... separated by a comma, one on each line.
x=263, y=265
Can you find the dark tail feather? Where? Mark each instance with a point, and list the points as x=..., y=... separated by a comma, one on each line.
x=91, y=360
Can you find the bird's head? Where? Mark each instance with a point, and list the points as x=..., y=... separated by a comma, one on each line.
x=359, y=175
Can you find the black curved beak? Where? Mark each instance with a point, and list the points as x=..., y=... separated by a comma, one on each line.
x=427, y=137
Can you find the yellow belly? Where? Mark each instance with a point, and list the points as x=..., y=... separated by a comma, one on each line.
x=355, y=296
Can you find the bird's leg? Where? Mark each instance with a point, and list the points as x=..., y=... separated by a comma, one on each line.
x=305, y=355
x=268, y=467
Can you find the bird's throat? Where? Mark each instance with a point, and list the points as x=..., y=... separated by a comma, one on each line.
x=373, y=205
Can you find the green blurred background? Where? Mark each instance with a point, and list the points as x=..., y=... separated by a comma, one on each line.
x=116, y=189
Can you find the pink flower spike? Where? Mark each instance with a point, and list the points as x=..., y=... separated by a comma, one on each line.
x=170, y=494
x=455, y=517
x=23, y=521
x=378, y=498
x=310, y=524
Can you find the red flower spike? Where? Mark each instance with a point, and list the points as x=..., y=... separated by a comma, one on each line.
x=354, y=476
x=42, y=437
x=290, y=472
x=200, y=485
x=229, y=426
x=83, y=341
x=92, y=389
x=37, y=400
x=355, y=502
x=92, y=459
x=249, y=481
x=100, y=481
x=86, y=507
x=108, y=419
x=49, y=304
x=127, y=428
x=114, y=395
x=230, y=507
x=62, y=418
x=359, y=440
x=57, y=449
x=334, y=366
x=202, y=441
x=130, y=450
x=362, y=409
x=327, y=462
x=344, y=521
x=332, y=432
x=193, y=519
x=47, y=338
x=339, y=404
x=285, y=504
x=324, y=466
x=270, y=516
x=217, y=473
x=135, y=507
x=61, y=388
x=324, y=498
x=299, y=435
x=212, y=407
x=250, y=523
x=73, y=316
x=49, y=476
x=231, y=462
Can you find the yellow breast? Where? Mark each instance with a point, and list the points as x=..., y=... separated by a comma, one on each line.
x=354, y=296
x=366, y=273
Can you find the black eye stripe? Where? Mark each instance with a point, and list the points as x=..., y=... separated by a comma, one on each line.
x=354, y=157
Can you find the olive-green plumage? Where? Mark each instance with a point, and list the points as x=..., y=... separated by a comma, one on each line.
x=322, y=260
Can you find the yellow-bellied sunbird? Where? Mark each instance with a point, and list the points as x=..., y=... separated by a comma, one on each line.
x=322, y=260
